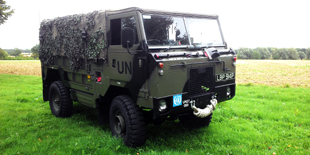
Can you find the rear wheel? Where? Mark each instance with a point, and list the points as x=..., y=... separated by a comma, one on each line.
x=60, y=100
x=191, y=121
x=127, y=121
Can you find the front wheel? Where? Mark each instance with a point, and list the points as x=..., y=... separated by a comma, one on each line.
x=60, y=100
x=127, y=121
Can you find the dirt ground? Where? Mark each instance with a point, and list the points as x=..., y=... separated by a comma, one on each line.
x=293, y=73
x=20, y=67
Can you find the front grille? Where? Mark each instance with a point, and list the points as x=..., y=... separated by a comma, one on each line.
x=199, y=79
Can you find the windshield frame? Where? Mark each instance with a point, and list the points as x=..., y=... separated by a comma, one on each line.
x=186, y=28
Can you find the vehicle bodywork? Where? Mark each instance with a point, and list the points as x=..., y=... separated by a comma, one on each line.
x=88, y=54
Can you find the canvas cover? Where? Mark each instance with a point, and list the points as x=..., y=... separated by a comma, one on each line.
x=62, y=36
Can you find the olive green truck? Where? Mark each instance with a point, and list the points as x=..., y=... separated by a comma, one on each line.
x=137, y=67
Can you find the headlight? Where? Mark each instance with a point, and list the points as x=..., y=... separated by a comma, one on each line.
x=228, y=91
x=162, y=105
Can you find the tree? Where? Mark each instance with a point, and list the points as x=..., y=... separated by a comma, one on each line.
x=35, y=51
x=293, y=54
x=308, y=53
x=241, y=55
x=9, y=51
x=264, y=53
x=275, y=53
x=26, y=51
x=283, y=53
x=16, y=52
x=248, y=52
x=3, y=54
x=244, y=53
x=302, y=55
x=5, y=11
x=301, y=50
x=255, y=55
x=270, y=49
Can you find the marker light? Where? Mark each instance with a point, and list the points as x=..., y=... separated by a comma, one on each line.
x=234, y=59
x=228, y=91
x=161, y=72
x=160, y=65
x=162, y=105
x=99, y=79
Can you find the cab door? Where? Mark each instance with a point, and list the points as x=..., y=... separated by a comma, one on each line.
x=128, y=69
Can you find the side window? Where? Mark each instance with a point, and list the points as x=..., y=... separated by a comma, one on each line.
x=116, y=29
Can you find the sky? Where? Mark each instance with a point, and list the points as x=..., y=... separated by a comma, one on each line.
x=245, y=23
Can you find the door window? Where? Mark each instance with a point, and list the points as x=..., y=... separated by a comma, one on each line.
x=116, y=26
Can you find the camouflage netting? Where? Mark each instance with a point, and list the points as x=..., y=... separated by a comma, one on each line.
x=62, y=36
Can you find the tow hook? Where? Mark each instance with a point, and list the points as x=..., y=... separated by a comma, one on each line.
x=202, y=113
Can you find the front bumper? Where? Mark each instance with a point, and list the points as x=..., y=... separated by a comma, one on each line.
x=185, y=107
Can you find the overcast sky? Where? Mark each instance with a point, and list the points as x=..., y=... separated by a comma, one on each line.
x=245, y=23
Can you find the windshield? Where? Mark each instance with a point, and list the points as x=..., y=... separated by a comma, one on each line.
x=162, y=30
x=165, y=30
x=204, y=31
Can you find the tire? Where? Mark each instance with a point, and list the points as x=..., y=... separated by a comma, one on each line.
x=60, y=100
x=127, y=121
x=191, y=121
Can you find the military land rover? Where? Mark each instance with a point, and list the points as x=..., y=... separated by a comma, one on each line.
x=137, y=66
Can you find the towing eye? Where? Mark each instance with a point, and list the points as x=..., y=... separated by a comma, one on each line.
x=202, y=113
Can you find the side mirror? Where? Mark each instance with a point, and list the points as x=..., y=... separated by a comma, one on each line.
x=128, y=36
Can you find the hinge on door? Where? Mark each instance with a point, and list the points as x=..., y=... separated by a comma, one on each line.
x=88, y=68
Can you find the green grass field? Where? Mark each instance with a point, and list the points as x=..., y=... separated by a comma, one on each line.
x=259, y=120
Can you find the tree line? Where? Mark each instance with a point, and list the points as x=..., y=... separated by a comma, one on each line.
x=16, y=54
x=273, y=53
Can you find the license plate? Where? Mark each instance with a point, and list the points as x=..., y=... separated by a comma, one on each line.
x=225, y=76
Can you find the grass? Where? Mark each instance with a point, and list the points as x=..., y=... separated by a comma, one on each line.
x=259, y=120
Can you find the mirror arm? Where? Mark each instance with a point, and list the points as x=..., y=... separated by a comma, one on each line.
x=128, y=49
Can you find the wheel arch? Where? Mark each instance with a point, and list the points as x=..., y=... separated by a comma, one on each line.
x=49, y=77
x=103, y=103
x=111, y=93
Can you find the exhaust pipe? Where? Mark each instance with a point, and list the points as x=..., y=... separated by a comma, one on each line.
x=202, y=113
